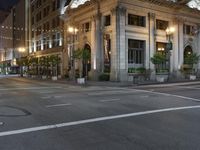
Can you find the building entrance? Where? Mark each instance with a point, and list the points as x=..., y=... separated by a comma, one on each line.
x=87, y=63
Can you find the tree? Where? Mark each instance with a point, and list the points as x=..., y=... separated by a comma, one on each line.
x=54, y=61
x=158, y=59
x=84, y=56
x=192, y=59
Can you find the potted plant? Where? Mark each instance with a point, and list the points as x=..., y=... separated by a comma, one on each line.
x=161, y=73
x=33, y=70
x=191, y=62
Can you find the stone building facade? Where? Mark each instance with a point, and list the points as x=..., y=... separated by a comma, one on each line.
x=123, y=34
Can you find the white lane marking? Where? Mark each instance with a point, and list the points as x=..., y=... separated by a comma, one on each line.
x=111, y=92
x=144, y=96
x=173, y=95
x=46, y=97
x=57, y=96
x=30, y=88
x=74, y=123
x=173, y=84
x=45, y=92
x=109, y=100
x=58, y=105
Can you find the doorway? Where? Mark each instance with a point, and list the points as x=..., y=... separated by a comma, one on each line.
x=87, y=63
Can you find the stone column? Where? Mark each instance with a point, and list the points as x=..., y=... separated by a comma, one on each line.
x=181, y=43
x=151, y=47
x=198, y=43
x=65, y=56
x=118, y=50
x=96, y=47
x=178, y=48
x=175, y=52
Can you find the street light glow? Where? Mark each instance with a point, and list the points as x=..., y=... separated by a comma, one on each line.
x=72, y=30
x=170, y=30
x=21, y=49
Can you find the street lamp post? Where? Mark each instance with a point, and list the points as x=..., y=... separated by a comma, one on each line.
x=169, y=47
x=73, y=31
x=21, y=51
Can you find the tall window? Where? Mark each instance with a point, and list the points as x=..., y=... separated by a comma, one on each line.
x=86, y=27
x=38, y=3
x=136, y=51
x=107, y=20
x=161, y=24
x=39, y=16
x=32, y=8
x=136, y=20
x=44, y=43
x=46, y=11
x=54, y=40
x=58, y=4
x=161, y=48
x=32, y=20
x=53, y=5
x=38, y=45
x=188, y=29
x=39, y=30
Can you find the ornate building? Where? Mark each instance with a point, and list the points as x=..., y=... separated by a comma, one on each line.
x=124, y=34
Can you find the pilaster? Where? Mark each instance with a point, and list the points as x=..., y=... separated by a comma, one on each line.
x=152, y=43
x=118, y=51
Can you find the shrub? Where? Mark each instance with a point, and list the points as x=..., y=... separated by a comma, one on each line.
x=158, y=58
x=104, y=77
x=136, y=70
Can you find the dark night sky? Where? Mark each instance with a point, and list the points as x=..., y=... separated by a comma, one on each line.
x=6, y=4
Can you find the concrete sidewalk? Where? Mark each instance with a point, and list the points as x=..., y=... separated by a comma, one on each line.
x=109, y=83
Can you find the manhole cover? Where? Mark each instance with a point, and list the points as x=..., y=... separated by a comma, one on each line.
x=10, y=111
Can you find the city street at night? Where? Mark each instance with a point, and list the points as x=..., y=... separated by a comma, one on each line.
x=41, y=115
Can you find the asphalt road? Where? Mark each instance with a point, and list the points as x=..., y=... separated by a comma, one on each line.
x=36, y=115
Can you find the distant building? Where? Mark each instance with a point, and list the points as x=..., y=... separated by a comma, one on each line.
x=125, y=34
x=13, y=35
x=3, y=15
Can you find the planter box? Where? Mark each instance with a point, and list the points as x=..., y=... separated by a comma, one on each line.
x=33, y=76
x=81, y=80
x=44, y=77
x=192, y=77
x=54, y=78
x=161, y=77
x=59, y=76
